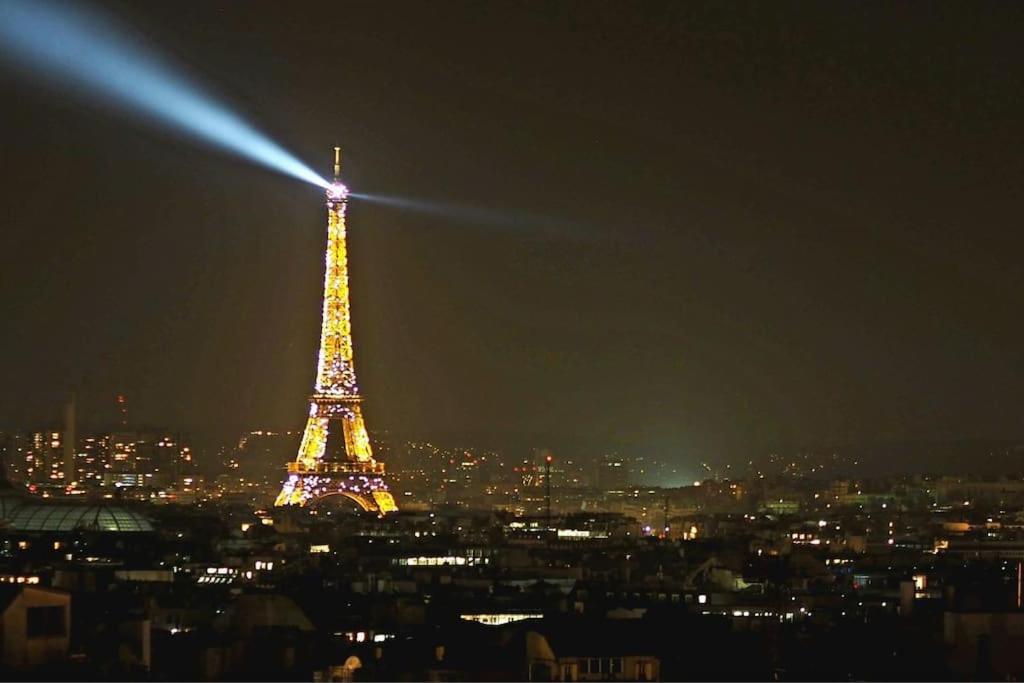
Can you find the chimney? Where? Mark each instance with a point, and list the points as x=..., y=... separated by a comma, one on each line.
x=69, y=441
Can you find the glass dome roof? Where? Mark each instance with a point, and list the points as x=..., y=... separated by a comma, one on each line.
x=10, y=500
x=70, y=517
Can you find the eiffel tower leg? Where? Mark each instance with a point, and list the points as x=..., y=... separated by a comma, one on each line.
x=311, y=451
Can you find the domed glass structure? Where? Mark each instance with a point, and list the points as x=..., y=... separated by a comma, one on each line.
x=10, y=500
x=64, y=517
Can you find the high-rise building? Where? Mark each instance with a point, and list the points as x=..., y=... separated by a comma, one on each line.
x=48, y=449
x=70, y=441
x=91, y=458
x=148, y=458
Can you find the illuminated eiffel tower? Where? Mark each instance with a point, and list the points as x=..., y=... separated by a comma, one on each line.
x=355, y=474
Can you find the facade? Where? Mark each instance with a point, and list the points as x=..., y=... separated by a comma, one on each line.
x=36, y=625
x=627, y=668
x=589, y=656
x=91, y=459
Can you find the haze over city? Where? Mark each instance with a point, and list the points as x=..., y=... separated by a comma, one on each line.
x=688, y=341
x=697, y=232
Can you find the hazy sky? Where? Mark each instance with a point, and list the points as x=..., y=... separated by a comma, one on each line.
x=697, y=229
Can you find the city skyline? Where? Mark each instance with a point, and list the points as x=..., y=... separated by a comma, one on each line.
x=736, y=244
x=688, y=335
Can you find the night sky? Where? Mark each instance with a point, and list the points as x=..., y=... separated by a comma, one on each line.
x=693, y=230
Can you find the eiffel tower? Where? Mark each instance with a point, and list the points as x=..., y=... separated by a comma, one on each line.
x=351, y=470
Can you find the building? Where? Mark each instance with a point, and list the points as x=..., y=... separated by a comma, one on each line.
x=35, y=457
x=91, y=459
x=149, y=458
x=984, y=645
x=36, y=627
x=609, y=651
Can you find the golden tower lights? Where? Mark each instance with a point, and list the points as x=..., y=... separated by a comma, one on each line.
x=336, y=397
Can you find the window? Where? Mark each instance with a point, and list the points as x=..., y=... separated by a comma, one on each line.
x=614, y=665
x=540, y=672
x=44, y=622
x=568, y=672
x=643, y=671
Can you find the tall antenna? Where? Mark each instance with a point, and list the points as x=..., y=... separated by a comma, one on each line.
x=69, y=440
x=122, y=408
x=337, y=163
x=547, y=483
x=664, y=532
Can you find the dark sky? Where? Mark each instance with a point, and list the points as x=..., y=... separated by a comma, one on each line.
x=695, y=229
